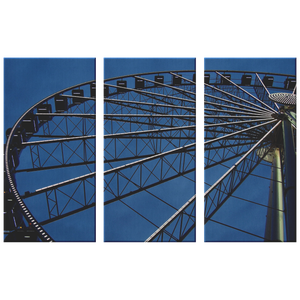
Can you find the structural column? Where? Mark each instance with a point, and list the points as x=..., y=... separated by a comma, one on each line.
x=274, y=225
x=290, y=179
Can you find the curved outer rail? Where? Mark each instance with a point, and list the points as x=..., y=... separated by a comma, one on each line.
x=206, y=71
x=43, y=235
x=147, y=73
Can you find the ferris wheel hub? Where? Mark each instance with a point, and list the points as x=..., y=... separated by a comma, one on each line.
x=283, y=98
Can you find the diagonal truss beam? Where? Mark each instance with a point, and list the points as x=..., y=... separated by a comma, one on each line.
x=149, y=116
x=232, y=117
x=138, y=133
x=238, y=132
x=234, y=123
x=163, y=228
x=177, y=150
x=34, y=169
x=225, y=111
x=237, y=99
x=232, y=104
x=236, y=108
x=59, y=184
x=262, y=92
x=140, y=188
x=67, y=139
x=88, y=116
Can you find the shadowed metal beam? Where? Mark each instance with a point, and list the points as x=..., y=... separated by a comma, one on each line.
x=56, y=185
x=88, y=116
x=67, y=139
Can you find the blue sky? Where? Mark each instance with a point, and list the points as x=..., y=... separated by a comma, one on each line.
x=27, y=81
x=248, y=217
x=116, y=214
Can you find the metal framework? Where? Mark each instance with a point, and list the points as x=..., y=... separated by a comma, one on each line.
x=250, y=125
x=149, y=157
x=50, y=167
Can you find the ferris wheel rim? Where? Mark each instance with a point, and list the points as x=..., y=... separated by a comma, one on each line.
x=251, y=72
x=147, y=73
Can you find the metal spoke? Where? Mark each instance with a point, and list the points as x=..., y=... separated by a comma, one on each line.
x=215, y=196
x=181, y=149
x=237, y=132
x=59, y=184
x=171, y=219
x=262, y=92
x=90, y=116
x=236, y=98
x=246, y=92
x=67, y=139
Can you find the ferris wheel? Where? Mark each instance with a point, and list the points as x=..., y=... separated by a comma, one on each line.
x=149, y=157
x=49, y=165
x=250, y=133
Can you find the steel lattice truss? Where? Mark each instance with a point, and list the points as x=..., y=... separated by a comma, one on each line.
x=242, y=127
x=149, y=147
x=54, y=140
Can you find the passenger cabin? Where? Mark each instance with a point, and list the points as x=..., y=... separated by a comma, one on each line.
x=139, y=83
x=196, y=78
x=18, y=137
x=14, y=158
x=78, y=93
x=121, y=85
x=206, y=78
x=177, y=79
x=22, y=235
x=159, y=79
x=45, y=109
x=30, y=124
x=246, y=79
x=61, y=103
x=268, y=81
x=290, y=83
x=5, y=187
x=224, y=80
x=93, y=89
x=106, y=91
